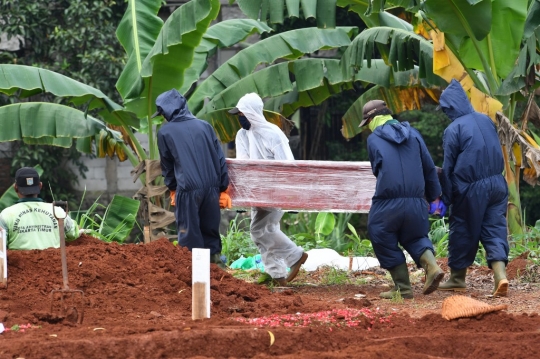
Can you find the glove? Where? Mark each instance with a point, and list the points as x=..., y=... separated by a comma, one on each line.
x=225, y=200
x=437, y=207
x=173, y=198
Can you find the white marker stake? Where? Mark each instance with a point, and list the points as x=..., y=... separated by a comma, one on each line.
x=200, y=302
x=3, y=259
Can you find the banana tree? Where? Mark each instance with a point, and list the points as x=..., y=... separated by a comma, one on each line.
x=491, y=47
x=160, y=56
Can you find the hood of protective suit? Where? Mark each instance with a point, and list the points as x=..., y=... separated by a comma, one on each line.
x=265, y=140
x=454, y=101
x=394, y=132
x=251, y=105
x=173, y=106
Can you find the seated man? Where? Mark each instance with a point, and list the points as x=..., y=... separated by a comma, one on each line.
x=31, y=223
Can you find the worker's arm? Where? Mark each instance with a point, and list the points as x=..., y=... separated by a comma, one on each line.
x=242, y=145
x=167, y=163
x=431, y=179
x=224, y=177
x=451, y=151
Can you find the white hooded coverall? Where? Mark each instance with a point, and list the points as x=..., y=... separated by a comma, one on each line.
x=266, y=141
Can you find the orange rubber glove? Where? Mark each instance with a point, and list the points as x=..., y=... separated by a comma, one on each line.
x=225, y=200
x=173, y=198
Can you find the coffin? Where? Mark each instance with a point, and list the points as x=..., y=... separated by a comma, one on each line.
x=319, y=186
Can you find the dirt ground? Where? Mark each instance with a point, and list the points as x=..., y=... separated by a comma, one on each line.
x=138, y=305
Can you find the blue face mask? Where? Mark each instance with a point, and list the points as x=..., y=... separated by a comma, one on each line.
x=246, y=125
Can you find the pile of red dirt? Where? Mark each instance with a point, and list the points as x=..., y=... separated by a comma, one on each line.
x=138, y=305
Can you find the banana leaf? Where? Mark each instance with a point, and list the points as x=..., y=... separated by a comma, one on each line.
x=288, y=45
x=398, y=99
x=10, y=197
x=119, y=218
x=223, y=34
x=173, y=51
x=273, y=10
x=405, y=49
x=28, y=81
x=375, y=17
x=137, y=32
x=487, y=32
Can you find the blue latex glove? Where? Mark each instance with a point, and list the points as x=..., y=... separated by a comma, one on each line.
x=437, y=207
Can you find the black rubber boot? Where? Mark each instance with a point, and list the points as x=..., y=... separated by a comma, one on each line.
x=456, y=282
x=434, y=273
x=400, y=276
x=499, y=275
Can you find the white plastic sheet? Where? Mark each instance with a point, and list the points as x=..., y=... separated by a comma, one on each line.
x=331, y=258
x=321, y=186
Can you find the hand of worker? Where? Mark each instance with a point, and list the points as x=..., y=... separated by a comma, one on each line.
x=173, y=198
x=225, y=200
x=437, y=207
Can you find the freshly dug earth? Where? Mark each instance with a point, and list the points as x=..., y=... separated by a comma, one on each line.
x=138, y=305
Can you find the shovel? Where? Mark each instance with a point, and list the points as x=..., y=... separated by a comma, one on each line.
x=67, y=296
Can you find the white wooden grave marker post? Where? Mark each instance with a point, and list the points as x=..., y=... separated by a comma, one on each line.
x=200, y=304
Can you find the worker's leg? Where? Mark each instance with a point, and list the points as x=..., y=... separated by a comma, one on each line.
x=277, y=250
x=494, y=233
x=384, y=222
x=187, y=219
x=210, y=216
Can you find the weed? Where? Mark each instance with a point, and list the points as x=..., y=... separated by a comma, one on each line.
x=237, y=242
x=397, y=298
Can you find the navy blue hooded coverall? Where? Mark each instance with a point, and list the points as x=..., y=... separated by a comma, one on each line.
x=472, y=182
x=193, y=164
x=406, y=178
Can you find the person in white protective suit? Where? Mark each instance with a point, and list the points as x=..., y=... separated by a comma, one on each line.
x=259, y=139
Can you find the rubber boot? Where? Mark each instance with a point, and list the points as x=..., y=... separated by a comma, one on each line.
x=434, y=273
x=501, y=283
x=456, y=281
x=216, y=258
x=400, y=276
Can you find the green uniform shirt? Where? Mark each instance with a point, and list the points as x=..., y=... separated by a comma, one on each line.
x=30, y=224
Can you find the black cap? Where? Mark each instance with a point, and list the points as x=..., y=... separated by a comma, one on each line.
x=370, y=110
x=234, y=111
x=27, y=180
x=157, y=113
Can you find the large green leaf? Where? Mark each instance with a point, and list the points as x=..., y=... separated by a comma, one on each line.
x=502, y=46
x=325, y=223
x=173, y=51
x=223, y=34
x=10, y=197
x=398, y=99
x=375, y=18
x=462, y=17
x=49, y=124
x=405, y=51
x=119, y=218
x=288, y=45
x=227, y=125
x=273, y=10
x=137, y=32
x=378, y=74
x=28, y=81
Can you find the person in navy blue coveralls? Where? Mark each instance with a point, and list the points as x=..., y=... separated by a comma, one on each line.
x=406, y=178
x=194, y=166
x=475, y=190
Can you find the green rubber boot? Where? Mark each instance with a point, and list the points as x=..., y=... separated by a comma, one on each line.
x=400, y=276
x=434, y=273
x=456, y=281
x=499, y=275
x=216, y=258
